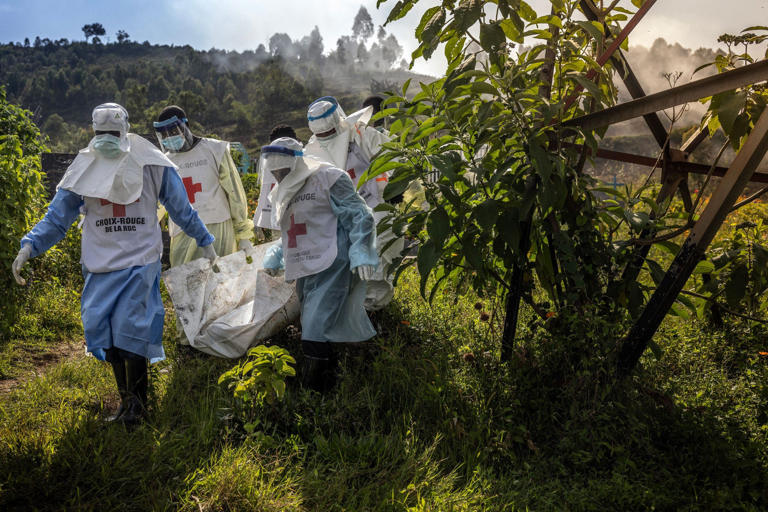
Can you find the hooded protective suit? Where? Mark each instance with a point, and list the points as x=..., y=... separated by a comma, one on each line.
x=213, y=187
x=121, y=245
x=327, y=233
x=349, y=143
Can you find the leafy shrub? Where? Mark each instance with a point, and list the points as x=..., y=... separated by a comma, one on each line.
x=257, y=380
x=251, y=185
x=23, y=192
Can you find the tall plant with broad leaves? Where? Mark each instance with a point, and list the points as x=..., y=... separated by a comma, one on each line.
x=502, y=189
x=23, y=196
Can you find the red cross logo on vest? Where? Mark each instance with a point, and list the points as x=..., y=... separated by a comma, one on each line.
x=192, y=188
x=351, y=173
x=118, y=210
x=294, y=231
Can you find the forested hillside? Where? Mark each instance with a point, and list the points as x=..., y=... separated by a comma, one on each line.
x=235, y=95
x=241, y=95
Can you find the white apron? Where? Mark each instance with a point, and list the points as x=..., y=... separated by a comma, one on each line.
x=199, y=170
x=309, y=226
x=116, y=236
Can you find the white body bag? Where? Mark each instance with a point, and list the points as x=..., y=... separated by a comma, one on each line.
x=224, y=313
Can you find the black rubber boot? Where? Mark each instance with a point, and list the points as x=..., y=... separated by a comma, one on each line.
x=318, y=370
x=315, y=374
x=118, y=368
x=136, y=411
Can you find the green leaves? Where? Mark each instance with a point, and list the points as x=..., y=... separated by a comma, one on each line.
x=400, y=9
x=260, y=378
x=426, y=260
x=727, y=106
x=431, y=23
x=492, y=36
x=438, y=226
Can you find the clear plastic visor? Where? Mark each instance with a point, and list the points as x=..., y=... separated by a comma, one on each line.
x=171, y=133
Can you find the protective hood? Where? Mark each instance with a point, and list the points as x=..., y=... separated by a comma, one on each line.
x=112, y=117
x=118, y=180
x=282, y=153
x=334, y=150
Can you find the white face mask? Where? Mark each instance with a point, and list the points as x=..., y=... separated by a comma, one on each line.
x=107, y=145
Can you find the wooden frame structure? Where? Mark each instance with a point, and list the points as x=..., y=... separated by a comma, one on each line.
x=675, y=168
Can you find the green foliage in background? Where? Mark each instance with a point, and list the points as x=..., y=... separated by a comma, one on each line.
x=503, y=177
x=23, y=196
x=485, y=142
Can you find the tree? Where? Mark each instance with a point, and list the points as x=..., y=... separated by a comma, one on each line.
x=20, y=177
x=26, y=42
x=508, y=205
x=315, y=50
x=390, y=50
x=362, y=54
x=281, y=45
x=362, y=27
x=122, y=36
x=509, y=210
x=93, y=29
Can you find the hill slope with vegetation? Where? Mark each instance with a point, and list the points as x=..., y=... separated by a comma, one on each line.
x=238, y=96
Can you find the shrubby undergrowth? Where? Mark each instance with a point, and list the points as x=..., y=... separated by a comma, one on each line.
x=427, y=419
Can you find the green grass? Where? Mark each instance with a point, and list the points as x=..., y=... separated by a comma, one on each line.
x=427, y=420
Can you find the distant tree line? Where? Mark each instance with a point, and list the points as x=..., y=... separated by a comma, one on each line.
x=238, y=95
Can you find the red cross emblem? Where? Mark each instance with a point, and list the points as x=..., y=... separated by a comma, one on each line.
x=294, y=231
x=118, y=210
x=192, y=189
x=351, y=173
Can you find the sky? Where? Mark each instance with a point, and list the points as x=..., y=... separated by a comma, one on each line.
x=244, y=24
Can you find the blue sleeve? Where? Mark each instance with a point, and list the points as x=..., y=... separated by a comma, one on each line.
x=273, y=256
x=356, y=218
x=173, y=196
x=61, y=213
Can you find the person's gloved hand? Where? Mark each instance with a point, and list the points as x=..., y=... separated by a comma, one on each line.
x=245, y=245
x=272, y=271
x=365, y=272
x=210, y=253
x=19, y=262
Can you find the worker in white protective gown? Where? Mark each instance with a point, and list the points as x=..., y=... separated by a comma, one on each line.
x=350, y=144
x=116, y=182
x=328, y=247
x=213, y=186
x=262, y=218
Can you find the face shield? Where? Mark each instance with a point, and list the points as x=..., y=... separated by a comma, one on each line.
x=172, y=133
x=110, y=126
x=324, y=117
x=280, y=158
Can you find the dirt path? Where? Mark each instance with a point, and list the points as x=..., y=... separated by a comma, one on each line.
x=42, y=361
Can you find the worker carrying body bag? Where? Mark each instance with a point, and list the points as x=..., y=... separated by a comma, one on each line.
x=227, y=307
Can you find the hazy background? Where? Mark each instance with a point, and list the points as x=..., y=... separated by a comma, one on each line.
x=244, y=24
